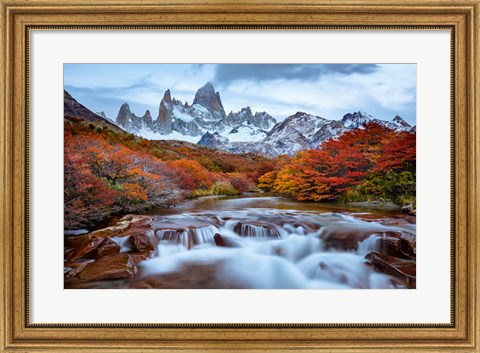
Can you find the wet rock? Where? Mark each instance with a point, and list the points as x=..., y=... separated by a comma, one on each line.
x=141, y=242
x=110, y=231
x=140, y=256
x=387, y=221
x=258, y=229
x=397, y=244
x=215, y=221
x=84, y=250
x=404, y=270
x=92, y=249
x=74, y=268
x=107, y=248
x=77, y=241
x=392, y=243
x=111, y=267
x=346, y=238
x=411, y=219
x=189, y=276
x=67, y=253
x=126, y=226
x=410, y=245
x=141, y=227
x=133, y=218
x=227, y=242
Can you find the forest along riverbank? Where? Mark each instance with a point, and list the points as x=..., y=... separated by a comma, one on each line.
x=247, y=242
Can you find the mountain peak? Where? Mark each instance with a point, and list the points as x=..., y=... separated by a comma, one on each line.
x=147, y=118
x=356, y=115
x=211, y=140
x=125, y=107
x=399, y=121
x=356, y=119
x=247, y=110
x=208, y=87
x=167, y=97
x=208, y=98
x=207, y=90
x=299, y=114
x=125, y=116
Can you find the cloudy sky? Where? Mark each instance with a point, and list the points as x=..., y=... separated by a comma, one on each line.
x=327, y=90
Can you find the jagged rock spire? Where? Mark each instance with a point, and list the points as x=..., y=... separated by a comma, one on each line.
x=124, y=116
x=164, y=118
x=208, y=98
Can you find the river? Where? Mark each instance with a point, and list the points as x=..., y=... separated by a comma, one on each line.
x=256, y=241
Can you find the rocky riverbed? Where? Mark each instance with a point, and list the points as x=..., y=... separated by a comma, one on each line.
x=249, y=242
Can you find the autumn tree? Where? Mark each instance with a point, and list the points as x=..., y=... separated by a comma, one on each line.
x=341, y=164
x=192, y=174
x=86, y=198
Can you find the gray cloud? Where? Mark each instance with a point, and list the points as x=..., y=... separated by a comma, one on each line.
x=227, y=73
x=326, y=90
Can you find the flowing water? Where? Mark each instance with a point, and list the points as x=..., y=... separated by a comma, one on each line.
x=263, y=242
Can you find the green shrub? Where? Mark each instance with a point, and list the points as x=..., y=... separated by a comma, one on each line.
x=223, y=188
x=397, y=187
x=218, y=188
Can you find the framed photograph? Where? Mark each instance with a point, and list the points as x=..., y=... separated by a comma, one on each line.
x=249, y=176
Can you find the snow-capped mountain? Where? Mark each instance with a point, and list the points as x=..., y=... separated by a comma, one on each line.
x=130, y=122
x=177, y=120
x=205, y=122
x=355, y=120
x=301, y=131
x=294, y=133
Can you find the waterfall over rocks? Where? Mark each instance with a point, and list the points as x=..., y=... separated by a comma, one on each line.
x=252, y=242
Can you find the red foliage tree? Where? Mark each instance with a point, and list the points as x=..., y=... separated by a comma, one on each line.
x=399, y=154
x=86, y=198
x=342, y=163
x=239, y=181
x=192, y=174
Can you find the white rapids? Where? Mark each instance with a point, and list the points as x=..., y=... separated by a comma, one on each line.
x=269, y=245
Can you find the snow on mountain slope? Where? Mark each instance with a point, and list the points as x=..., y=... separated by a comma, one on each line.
x=206, y=123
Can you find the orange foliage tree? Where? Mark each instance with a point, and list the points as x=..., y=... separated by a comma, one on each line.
x=102, y=178
x=86, y=198
x=192, y=175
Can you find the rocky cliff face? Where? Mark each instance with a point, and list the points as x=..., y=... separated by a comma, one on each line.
x=125, y=118
x=164, y=119
x=131, y=122
x=209, y=99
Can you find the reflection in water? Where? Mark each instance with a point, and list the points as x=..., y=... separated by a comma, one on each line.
x=267, y=242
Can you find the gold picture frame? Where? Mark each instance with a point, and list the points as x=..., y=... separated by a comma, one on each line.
x=17, y=334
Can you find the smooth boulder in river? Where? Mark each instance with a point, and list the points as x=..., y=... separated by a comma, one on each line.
x=111, y=267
